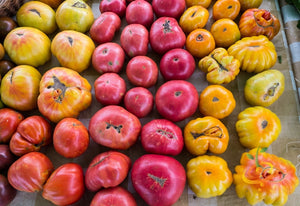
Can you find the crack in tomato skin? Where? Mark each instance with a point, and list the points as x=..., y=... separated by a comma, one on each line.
x=100, y=161
x=59, y=89
x=167, y=27
x=117, y=128
x=271, y=91
x=159, y=180
x=169, y=135
x=35, y=11
x=79, y=5
x=215, y=131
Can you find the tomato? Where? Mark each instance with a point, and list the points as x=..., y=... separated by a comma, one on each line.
x=114, y=127
x=6, y=157
x=9, y=121
x=139, y=101
x=32, y=133
x=226, y=9
x=177, y=64
x=168, y=8
x=110, y=88
x=140, y=12
x=70, y=138
x=30, y=172
x=53, y=3
x=104, y=27
x=116, y=6
x=113, y=196
x=176, y=100
x=161, y=136
x=108, y=57
x=158, y=179
x=166, y=34
x=65, y=185
x=142, y=71
x=7, y=192
x=5, y=66
x=107, y=169
x=134, y=40
x=6, y=25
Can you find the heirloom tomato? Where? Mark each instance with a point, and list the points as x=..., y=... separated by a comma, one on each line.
x=9, y=121
x=70, y=138
x=116, y=6
x=264, y=88
x=255, y=22
x=194, y=17
x=176, y=100
x=7, y=192
x=140, y=12
x=257, y=127
x=73, y=49
x=105, y=27
x=166, y=34
x=204, y=3
x=5, y=66
x=114, y=127
x=216, y=101
x=226, y=9
x=255, y=53
x=161, y=136
x=6, y=157
x=206, y=134
x=6, y=25
x=30, y=172
x=158, y=179
x=110, y=88
x=208, y=176
x=74, y=15
x=20, y=88
x=28, y=46
x=65, y=185
x=168, y=8
x=264, y=177
x=63, y=93
x=32, y=133
x=113, y=196
x=107, y=169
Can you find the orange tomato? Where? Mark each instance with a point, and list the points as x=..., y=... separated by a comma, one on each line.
x=204, y=3
x=200, y=43
x=226, y=9
x=225, y=32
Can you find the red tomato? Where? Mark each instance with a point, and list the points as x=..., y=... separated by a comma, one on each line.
x=6, y=157
x=70, y=138
x=177, y=64
x=107, y=169
x=168, y=8
x=158, y=179
x=166, y=34
x=65, y=185
x=139, y=101
x=140, y=12
x=110, y=88
x=177, y=100
x=32, y=133
x=114, y=127
x=108, y=57
x=113, y=196
x=30, y=172
x=116, y=6
x=142, y=71
x=161, y=136
x=7, y=192
x=9, y=121
x=104, y=27
x=134, y=40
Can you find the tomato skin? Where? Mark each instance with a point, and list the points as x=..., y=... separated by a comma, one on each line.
x=168, y=8
x=70, y=138
x=7, y=192
x=161, y=136
x=65, y=185
x=6, y=157
x=9, y=121
x=116, y=6
x=30, y=172
x=158, y=179
x=107, y=169
x=140, y=12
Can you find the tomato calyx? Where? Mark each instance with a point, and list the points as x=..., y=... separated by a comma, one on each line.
x=264, y=124
x=214, y=131
x=70, y=39
x=271, y=91
x=267, y=15
x=161, y=181
x=167, y=27
x=59, y=89
x=199, y=37
x=116, y=127
x=79, y=4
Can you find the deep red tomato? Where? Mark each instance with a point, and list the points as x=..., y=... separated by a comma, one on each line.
x=168, y=8
x=104, y=27
x=158, y=179
x=134, y=40
x=114, y=127
x=107, y=169
x=142, y=71
x=9, y=121
x=113, y=196
x=139, y=101
x=32, y=133
x=177, y=64
x=7, y=192
x=166, y=34
x=70, y=138
x=176, y=100
x=65, y=185
x=161, y=136
x=30, y=172
x=6, y=157
x=140, y=12
x=110, y=88
x=108, y=57
x=116, y=6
